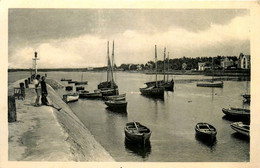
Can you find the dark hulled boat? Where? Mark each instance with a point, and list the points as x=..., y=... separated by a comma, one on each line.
x=239, y=113
x=116, y=97
x=155, y=90
x=211, y=84
x=117, y=105
x=137, y=133
x=93, y=95
x=109, y=87
x=206, y=130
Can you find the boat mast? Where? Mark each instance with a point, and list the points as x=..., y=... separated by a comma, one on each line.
x=156, y=66
x=168, y=67
x=107, y=60
x=212, y=70
x=112, y=66
x=164, y=64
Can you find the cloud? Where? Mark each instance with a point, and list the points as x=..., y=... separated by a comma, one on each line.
x=136, y=47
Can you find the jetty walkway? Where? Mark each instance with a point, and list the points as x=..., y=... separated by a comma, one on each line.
x=46, y=134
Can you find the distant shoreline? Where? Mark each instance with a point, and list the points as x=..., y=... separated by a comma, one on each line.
x=237, y=72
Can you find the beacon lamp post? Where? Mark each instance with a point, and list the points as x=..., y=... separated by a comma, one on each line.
x=35, y=62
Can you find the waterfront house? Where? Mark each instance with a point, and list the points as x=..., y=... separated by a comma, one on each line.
x=244, y=61
x=226, y=62
x=201, y=66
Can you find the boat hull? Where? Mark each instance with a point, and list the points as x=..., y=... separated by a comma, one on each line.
x=90, y=95
x=137, y=136
x=168, y=86
x=71, y=97
x=237, y=113
x=117, y=105
x=210, y=84
x=157, y=92
x=120, y=97
x=81, y=83
x=109, y=92
x=206, y=131
x=241, y=128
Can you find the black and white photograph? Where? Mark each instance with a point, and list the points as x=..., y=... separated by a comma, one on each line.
x=131, y=84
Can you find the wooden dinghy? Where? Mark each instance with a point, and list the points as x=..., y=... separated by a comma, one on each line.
x=137, y=133
x=71, y=97
x=206, y=130
x=117, y=105
x=241, y=128
x=92, y=95
x=210, y=84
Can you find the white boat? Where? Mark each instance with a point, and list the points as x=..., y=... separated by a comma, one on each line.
x=241, y=128
x=71, y=97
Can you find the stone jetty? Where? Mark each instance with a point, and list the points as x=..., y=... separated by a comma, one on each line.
x=46, y=134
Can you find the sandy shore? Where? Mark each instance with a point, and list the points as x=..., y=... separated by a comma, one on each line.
x=45, y=134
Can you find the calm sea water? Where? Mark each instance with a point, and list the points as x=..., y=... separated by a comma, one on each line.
x=171, y=120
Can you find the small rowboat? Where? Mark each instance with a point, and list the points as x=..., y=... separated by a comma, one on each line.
x=63, y=79
x=153, y=91
x=137, y=133
x=116, y=97
x=211, y=84
x=117, y=105
x=240, y=113
x=71, y=97
x=241, y=128
x=93, y=95
x=206, y=130
x=81, y=83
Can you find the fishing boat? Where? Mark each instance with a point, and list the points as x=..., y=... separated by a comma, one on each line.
x=212, y=83
x=93, y=95
x=166, y=84
x=109, y=87
x=69, y=88
x=116, y=97
x=71, y=81
x=79, y=88
x=137, y=133
x=241, y=128
x=240, y=113
x=71, y=97
x=63, y=79
x=206, y=130
x=81, y=82
x=156, y=90
x=117, y=105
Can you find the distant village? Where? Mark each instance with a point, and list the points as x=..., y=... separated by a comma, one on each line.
x=198, y=64
x=195, y=64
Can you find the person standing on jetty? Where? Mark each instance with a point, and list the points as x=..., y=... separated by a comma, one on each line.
x=45, y=93
x=36, y=82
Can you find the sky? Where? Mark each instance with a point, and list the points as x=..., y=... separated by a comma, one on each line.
x=77, y=38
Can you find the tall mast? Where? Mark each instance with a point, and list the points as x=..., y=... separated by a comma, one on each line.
x=164, y=64
x=156, y=66
x=108, y=60
x=212, y=70
x=168, y=68
x=112, y=66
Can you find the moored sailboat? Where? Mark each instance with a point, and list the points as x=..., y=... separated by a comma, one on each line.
x=212, y=83
x=155, y=90
x=109, y=87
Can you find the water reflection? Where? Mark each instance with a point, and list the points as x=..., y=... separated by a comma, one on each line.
x=235, y=119
x=116, y=112
x=240, y=136
x=211, y=143
x=154, y=98
x=138, y=149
